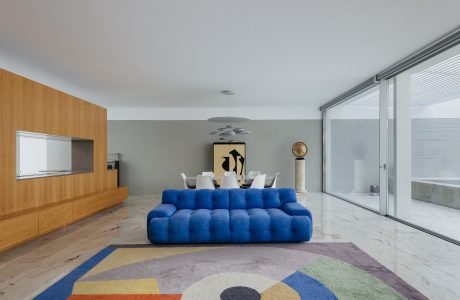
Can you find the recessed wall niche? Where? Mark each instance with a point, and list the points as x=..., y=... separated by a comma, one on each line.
x=43, y=155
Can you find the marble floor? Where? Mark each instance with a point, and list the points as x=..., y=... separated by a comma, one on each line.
x=437, y=218
x=428, y=263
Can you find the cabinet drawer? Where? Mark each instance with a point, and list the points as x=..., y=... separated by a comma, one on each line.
x=54, y=217
x=16, y=230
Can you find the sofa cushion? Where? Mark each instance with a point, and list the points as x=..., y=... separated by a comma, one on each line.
x=170, y=197
x=179, y=226
x=259, y=225
x=271, y=198
x=162, y=211
x=220, y=199
x=237, y=199
x=186, y=199
x=200, y=226
x=204, y=199
x=228, y=198
x=239, y=226
x=254, y=198
x=287, y=195
x=295, y=209
x=220, y=225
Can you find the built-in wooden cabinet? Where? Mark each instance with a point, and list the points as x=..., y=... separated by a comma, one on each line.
x=55, y=217
x=16, y=230
x=31, y=207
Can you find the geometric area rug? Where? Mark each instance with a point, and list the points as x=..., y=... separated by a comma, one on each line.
x=231, y=272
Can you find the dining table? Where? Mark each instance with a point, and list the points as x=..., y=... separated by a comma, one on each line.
x=243, y=181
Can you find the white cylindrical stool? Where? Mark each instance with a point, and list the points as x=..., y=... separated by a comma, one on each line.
x=300, y=175
x=359, y=177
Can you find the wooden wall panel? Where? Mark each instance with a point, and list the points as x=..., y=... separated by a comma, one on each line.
x=16, y=230
x=54, y=217
x=30, y=106
x=6, y=148
x=112, y=179
x=87, y=206
x=35, y=206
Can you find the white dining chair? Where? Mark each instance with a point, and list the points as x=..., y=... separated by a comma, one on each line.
x=184, y=179
x=210, y=174
x=259, y=182
x=204, y=183
x=273, y=183
x=252, y=174
x=229, y=182
x=226, y=173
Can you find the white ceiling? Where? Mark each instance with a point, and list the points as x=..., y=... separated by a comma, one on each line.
x=158, y=59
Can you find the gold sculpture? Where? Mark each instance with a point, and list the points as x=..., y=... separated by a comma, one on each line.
x=299, y=149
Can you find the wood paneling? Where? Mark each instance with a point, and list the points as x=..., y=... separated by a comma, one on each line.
x=91, y=205
x=54, y=217
x=87, y=206
x=16, y=230
x=30, y=106
x=112, y=179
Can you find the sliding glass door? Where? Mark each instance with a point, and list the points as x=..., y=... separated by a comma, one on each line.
x=353, y=149
x=426, y=151
x=394, y=148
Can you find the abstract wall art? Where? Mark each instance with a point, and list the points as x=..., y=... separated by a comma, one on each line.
x=229, y=157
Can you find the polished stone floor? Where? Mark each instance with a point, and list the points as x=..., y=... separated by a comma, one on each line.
x=429, y=264
x=437, y=218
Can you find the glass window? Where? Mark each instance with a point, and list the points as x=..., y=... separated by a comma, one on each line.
x=431, y=92
x=353, y=149
x=41, y=155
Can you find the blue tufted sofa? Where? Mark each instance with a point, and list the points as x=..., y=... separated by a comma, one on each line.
x=229, y=216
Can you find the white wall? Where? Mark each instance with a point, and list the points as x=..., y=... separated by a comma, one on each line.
x=59, y=155
x=32, y=155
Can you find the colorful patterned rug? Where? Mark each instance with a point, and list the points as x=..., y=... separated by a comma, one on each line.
x=229, y=272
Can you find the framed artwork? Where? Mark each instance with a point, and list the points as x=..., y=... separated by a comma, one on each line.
x=229, y=157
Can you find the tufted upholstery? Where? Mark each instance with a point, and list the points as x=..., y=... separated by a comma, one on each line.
x=229, y=216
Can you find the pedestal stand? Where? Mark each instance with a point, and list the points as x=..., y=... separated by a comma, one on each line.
x=300, y=175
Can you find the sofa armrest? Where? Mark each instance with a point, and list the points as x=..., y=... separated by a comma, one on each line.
x=161, y=211
x=296, y=209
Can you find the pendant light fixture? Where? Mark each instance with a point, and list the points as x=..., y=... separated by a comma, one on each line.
x=229, y=133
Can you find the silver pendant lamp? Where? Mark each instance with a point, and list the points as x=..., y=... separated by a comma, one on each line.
x=229, y=133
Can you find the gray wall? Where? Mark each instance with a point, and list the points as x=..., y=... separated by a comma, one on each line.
x=154, y=153
x=82, y=155
x=436, y=148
